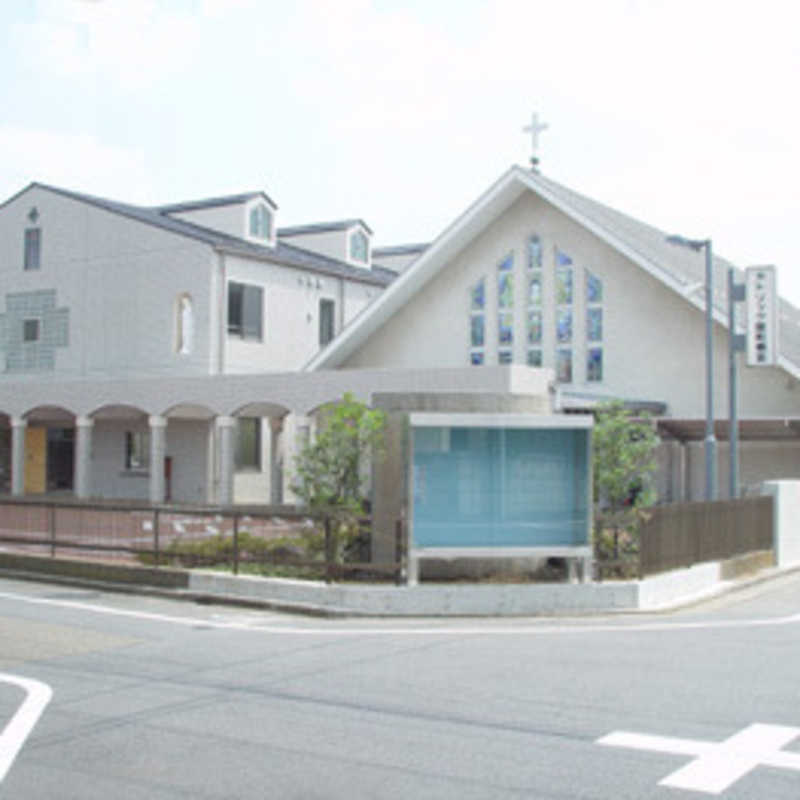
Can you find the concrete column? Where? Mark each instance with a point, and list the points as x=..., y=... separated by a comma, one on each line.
x=18, y=426
x=158, y=448
x=83, y=447
x=296, y=436
x=226, y=429
x=275, y=460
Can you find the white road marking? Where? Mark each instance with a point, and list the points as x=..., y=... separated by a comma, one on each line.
x=718, y=765
x=22, y=723
x=430, y=629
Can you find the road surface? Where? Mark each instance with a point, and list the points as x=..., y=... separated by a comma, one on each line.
x=152, y=698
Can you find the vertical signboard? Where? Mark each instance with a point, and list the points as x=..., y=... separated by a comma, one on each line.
x=762, y=317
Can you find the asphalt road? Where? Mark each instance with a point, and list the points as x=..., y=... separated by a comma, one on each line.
x=158, y=699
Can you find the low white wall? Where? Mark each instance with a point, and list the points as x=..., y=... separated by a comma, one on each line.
x=786, y=521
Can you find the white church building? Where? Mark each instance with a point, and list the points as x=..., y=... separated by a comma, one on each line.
x=180, y=352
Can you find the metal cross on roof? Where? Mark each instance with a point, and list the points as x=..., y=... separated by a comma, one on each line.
x=534, y=129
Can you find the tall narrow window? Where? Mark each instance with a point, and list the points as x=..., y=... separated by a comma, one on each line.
x=33, y=248
x=359, y=247
x=260, y=222
x=184, y=324
x=326, y=312
x=564, y=314
x=477, y=322
x=594, y=328
x=534, y=326
x=245, y=310
x=505, y=309
x=248, y=443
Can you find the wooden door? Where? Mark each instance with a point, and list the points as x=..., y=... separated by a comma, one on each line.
x=35, y=460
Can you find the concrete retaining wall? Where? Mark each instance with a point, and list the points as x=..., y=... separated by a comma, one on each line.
x=786, y=520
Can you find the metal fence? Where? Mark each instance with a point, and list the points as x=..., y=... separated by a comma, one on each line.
x=683, y=534
x=269, y=540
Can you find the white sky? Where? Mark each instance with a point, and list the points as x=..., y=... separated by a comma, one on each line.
x=683, y=114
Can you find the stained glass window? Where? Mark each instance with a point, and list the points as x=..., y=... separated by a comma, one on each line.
x=479, y=296
x=504, y=357
x=505, y=328
x=594, y=364
x=535, y=358
x=505, y=283
x=564, y=365
x=534, y=327
x=534, y=253
x=563, y=286
x=477, y=322
x=535, y=289
x=594, y=327
x=564, y=325
x=594, y=324
x=477, y=338
x=562, y=259
x=594, y=288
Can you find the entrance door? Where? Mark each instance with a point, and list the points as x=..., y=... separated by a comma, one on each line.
x=35, y=460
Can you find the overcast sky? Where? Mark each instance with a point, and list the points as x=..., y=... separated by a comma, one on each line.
x=682, y=114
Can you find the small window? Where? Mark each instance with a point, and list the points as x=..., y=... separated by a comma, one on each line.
x=33, y=248
x=260, y=223
x=359, y=247
x=326, y=321
x=30, y=330
x=245, y=311
x=137, y=450
x=248, y=443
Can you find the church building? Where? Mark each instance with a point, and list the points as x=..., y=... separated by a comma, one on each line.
x=180, y=352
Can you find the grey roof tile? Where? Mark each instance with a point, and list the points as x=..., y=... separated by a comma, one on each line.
x=679, y=263
x=282, y=253
x=323, y=227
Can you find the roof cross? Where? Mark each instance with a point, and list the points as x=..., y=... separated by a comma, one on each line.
x=534, y=129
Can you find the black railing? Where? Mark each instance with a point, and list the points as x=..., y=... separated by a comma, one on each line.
x=269, y=540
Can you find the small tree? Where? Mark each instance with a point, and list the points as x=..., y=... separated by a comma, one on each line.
x=624, y=463
x=330, y=469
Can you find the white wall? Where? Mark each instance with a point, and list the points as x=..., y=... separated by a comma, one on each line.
x=291, y=314
x=229, y=219
x=185, y=445
x=120, y=280
x=653, y=339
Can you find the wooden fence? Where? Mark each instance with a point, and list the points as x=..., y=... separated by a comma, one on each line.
x=683, y=534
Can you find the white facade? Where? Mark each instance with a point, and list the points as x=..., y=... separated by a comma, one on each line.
x=125, y=304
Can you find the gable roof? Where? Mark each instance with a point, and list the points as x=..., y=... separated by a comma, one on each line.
x=214, y=202
x=324, y=227
x=281, y=253
x=679, y=268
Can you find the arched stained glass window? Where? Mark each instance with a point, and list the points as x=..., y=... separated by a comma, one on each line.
x=564, y=315
x=505, y=309
x=594, y=328
x=534, y=322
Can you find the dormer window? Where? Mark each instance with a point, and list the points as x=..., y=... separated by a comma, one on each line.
x=260, y=223
x=359, y=247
